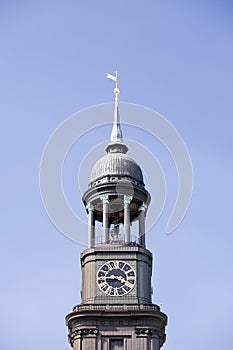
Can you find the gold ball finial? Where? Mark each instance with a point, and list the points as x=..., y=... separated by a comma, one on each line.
x=116, y=91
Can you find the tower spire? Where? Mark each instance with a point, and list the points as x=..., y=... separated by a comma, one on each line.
x=116, y=309
x=116, y=134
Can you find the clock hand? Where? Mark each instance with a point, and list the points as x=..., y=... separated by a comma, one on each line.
x=121, y=279
x=107, y=277
x=102, y=278
x=112, y=277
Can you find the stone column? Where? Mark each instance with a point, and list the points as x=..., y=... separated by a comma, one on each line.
x=91, y=225
x=105, y=200
x=142, y=339
x=76, y=339
x=89, y=341
x=155, y=344
x=77, y=344
x=142, y=216
x=127, y=201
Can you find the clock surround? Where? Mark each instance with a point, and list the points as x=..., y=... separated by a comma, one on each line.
x=116, y=278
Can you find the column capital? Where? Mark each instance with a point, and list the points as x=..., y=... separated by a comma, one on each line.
x=77, y=334
x=143, y=207
x=155, y=334
x=90, y=207
x=105, y=198
x=90, y=332
x=143, y=332
x=127, y=199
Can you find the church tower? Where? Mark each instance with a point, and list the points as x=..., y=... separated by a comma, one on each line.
x=116, y=310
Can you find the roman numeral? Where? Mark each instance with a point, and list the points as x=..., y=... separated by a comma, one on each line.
x=131, y=277
x=116, y=264
x=128, y=284
x=122, y=267
x=108, y=290
x=103, y=285
x=124, y=290
x=109, y=266
x=101, y=278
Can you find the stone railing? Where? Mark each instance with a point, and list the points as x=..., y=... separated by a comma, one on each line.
x=116, y=307
x=119, y=241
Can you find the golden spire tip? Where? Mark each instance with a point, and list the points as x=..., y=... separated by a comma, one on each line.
x=116, y=91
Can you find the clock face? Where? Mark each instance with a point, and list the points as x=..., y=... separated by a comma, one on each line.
x=116, y=278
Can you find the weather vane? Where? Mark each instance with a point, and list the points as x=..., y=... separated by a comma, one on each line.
x=114, y=78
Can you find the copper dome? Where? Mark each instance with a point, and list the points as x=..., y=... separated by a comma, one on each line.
x=118, y=165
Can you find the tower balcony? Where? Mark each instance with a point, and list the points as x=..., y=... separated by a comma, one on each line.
x=108, y=308
x=118, y=240
x=137, y=326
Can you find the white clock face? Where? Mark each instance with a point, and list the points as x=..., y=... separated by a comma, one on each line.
x=116, y=278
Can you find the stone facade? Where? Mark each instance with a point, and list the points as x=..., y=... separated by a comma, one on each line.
x=93, y=327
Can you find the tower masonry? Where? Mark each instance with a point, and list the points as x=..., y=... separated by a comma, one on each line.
x=116, y=310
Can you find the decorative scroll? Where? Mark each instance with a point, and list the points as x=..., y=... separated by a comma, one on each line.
x=80, y=333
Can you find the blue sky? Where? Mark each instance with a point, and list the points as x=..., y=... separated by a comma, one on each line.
x=174, y=57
